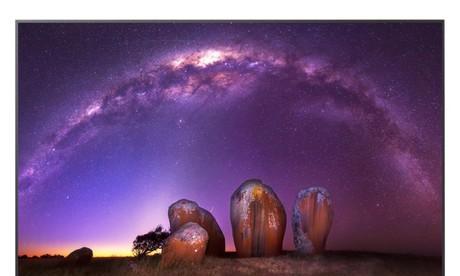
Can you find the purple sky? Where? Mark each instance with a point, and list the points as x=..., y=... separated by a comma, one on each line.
x=118, y=121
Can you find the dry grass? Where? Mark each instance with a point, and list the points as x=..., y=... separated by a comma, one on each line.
x=328, y=264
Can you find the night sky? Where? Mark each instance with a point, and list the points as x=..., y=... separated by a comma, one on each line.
x=118, y=121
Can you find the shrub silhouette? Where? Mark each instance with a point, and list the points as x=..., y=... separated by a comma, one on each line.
x=147, y=243
x=48, y=256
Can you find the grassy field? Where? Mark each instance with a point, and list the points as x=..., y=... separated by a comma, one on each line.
x=332, y=263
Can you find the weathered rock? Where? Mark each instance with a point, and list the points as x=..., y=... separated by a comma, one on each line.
x=312, y=220
x=80, y=256
x=187, y=245
x=258, y=220
x=183, y=211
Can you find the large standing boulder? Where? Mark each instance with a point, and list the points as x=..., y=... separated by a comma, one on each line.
x=183, y=211
x=187, y=245
x=80, y=256
x=258, y=220
x=312, y=220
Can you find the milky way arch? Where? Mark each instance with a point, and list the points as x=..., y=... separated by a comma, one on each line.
x=219, y=75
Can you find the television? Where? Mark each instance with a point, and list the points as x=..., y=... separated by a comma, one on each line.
x=230, y=147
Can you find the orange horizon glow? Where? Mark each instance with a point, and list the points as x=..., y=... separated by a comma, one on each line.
x=64, y=251
x=98, y=251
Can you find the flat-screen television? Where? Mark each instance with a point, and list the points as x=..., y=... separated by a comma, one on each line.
x=230, y=147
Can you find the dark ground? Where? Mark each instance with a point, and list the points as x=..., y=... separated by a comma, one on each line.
x=331, y=263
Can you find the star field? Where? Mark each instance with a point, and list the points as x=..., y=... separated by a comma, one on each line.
x=118, y=121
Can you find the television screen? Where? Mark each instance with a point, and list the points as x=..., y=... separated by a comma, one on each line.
x=230, y=147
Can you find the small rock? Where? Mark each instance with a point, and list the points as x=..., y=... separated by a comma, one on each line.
x=187, y=245
x=183, y=211
x=258, y=220
x=80, y=256
x=312, y=220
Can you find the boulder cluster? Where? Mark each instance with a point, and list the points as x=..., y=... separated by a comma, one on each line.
x=184, y=211
x=258, y=221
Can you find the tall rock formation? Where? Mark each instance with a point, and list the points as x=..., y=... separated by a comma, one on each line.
x=312, y=220
x=258, y=220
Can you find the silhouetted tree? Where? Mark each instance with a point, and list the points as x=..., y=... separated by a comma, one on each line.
x=23, y=257
x=147, y=243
